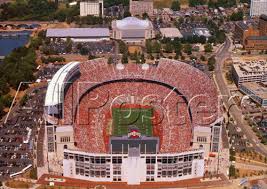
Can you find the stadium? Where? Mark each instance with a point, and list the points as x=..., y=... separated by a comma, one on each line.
x=131, y=123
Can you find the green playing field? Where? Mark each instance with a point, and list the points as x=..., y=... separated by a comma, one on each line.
x=123, y=118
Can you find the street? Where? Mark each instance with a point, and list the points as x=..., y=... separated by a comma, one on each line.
x=236, y=113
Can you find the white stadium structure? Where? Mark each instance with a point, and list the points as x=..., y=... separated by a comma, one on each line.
x=132, y=29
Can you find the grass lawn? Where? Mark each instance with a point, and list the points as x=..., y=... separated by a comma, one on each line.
x=18, y=184
x=123, y=118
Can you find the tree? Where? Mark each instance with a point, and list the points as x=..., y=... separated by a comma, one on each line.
x=143, y=59
x=188, y=49
x=175, y=5
x=122, y=47
x=124, y=59
x=236, y=16
x=79, y=46
x=194, y=3
x=203, y=58
x=126, y=14
x=145, y=15
x=149, y=46
x=168, y=48
x=211, y=63
x=232, y=171
x=156, y=47
x=84, y=51
x=208, y=47
x=110, y=60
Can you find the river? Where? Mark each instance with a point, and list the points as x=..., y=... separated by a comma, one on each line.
x=11, y=40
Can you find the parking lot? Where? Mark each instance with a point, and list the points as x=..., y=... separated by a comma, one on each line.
x=93, y=48
x=18, y=135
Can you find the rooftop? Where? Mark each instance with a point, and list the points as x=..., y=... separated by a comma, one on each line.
x=77, y=32
x=251, y=68
x=259, y=89
x=132, y=23
x=171, y=32
x=202, y=32
x=56, y=85
x=244, y=25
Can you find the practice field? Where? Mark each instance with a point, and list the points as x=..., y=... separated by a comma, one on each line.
x=125, y=118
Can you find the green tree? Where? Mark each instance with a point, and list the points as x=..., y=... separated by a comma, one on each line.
x=236, y=16
x=126, y=14
x=175, y=5
x=124, y=59
x=145, y=16
x=208, y=47
x=193, y=3
x=149, y=46
x=203, y=58
x=156, y=47
x=84, y=51
x=232, y=171
x=188, y=49
x=211, y=63
x=122, y=47
x=143, y=59
x=110, y=60
x=168, y=48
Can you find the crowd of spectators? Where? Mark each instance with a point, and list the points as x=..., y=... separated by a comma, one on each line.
x=182, y=95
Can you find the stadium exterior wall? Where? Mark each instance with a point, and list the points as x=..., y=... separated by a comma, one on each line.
x=133, y=170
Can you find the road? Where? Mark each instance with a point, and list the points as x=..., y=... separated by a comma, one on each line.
x=236, y=113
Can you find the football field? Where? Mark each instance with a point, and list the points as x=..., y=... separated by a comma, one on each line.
x=125, y=118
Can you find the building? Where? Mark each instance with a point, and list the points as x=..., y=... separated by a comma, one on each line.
x=258, y=7
x=89, y=137
x=92, y=7
x=244, y=29
x=79, y=34
x=166, y=15
x=263, y=25
x=256, y=43
x=256, y=91
x=139, y=7
x=132, y=30
x=253, y=71
x=171, y=33
x=251, y=35
x=202, y=32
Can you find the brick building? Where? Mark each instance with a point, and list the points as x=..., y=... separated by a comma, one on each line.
x=244, y=29
x=139, y=7
x=263, y=25
x=251, y=35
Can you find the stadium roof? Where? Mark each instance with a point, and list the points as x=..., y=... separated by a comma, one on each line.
x=171, y=32
x=54, y=94
x=78, y=32
x=132, y=23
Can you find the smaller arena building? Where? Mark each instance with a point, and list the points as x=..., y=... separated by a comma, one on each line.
x=132, y=30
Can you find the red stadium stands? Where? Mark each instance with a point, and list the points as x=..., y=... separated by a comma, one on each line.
x=181, y=95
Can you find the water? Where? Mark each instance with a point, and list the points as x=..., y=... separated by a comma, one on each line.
x=11, y=40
